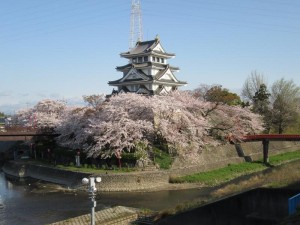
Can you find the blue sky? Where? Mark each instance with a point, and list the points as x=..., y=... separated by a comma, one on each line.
x=63, y=49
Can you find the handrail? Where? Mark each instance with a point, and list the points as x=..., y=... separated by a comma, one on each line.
x=279, y=137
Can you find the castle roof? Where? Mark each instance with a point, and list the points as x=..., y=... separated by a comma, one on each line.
x=144, y=78
x=146, y=48
x=145, y=65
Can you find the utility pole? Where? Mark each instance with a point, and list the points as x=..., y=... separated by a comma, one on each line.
x=136, y=29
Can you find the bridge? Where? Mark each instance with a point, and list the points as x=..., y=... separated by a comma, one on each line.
x=25, y=134
x=21, y=134
x=266, y=138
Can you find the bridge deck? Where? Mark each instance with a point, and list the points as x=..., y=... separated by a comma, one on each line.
x=272, y=137
x=22, y=135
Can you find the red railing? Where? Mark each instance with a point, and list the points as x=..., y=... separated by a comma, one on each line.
x=274, y=137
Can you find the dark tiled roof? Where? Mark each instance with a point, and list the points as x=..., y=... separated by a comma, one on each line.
x=147, y=78
x=146, y=64
x=146, y=47
x=142, y=47
x=171, y=82
x=127, y=66
x=163, y=53
x=115, y=81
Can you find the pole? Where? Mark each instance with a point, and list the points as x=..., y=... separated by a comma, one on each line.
x=91, y=181
x=265, y=143
x=93, y=209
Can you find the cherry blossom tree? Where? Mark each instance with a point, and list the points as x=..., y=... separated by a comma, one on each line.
x=46, y=114
x=120, y=124
x=179, y=119
x=72, y=127
x=130, y=122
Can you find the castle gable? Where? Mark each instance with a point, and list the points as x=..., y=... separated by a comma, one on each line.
x=166, y=75
x=134, y=74
x=159, y=48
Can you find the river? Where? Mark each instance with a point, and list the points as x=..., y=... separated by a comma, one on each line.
x=19, y=204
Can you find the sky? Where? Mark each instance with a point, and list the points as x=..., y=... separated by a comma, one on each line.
x=64, y=49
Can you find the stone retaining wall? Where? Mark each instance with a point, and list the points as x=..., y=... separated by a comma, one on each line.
x=118, y=215
x=22, y=169
x=220, y=156
x=211, y=158
x=132, y=181
x=254, y=149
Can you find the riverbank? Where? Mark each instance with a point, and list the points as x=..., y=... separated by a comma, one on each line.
x=261, y=189
x=278, y=176
x=133, y=181
x=118, y=215
x=281, y=179
x=144, y=181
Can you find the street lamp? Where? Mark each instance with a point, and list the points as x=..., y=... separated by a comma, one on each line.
x=92, y=193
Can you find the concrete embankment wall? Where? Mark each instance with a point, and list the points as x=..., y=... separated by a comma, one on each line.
x=254, y=149
x=211, y=158
x=51, y=174
x=132, y=181
x=220, y=156
x=260, y=207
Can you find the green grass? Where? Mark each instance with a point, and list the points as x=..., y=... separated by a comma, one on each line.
x=221, y=175
x=232, y=171
x=94, y=169
x=162, y=158
x=83, y=168
x=278, y=159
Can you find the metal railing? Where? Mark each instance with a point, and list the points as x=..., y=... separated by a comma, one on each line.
x=294, y=204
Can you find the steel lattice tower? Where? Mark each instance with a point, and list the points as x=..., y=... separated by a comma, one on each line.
x=136, y=30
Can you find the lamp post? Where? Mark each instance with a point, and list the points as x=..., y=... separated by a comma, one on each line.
x=91, y=181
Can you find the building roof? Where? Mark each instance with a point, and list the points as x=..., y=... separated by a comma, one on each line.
x=146, y=48
x=146, y=79
x=141, y=81
x=145, y=65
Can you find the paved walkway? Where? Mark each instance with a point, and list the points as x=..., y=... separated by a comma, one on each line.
x=118, y=215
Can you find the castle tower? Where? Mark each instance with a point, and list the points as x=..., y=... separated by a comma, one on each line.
x=147, y=71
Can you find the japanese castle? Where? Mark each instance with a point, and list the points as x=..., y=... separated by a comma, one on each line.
x=147, y=71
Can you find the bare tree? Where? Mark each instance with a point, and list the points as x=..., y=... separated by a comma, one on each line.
x=94, y=101
x=252, y=85
x=201, y=91
x=284, y=99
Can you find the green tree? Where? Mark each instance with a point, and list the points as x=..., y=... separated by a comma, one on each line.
x=223, y=95
x=2, y=114
x=261, y=105
x=217, y=94
x=284, y=104
x=261, y=100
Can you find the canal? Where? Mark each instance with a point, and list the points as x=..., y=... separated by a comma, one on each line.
x=20, y=203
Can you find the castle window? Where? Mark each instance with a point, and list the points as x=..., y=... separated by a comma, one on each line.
x=153, y=59
x=140, y=59
x=157, y=59
x=145, y=58
x=162, y=60
x=134, y=60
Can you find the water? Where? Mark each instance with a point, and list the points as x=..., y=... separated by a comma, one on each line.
x=19, y=204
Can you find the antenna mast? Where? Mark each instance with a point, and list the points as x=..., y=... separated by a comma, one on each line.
x=136, y=30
